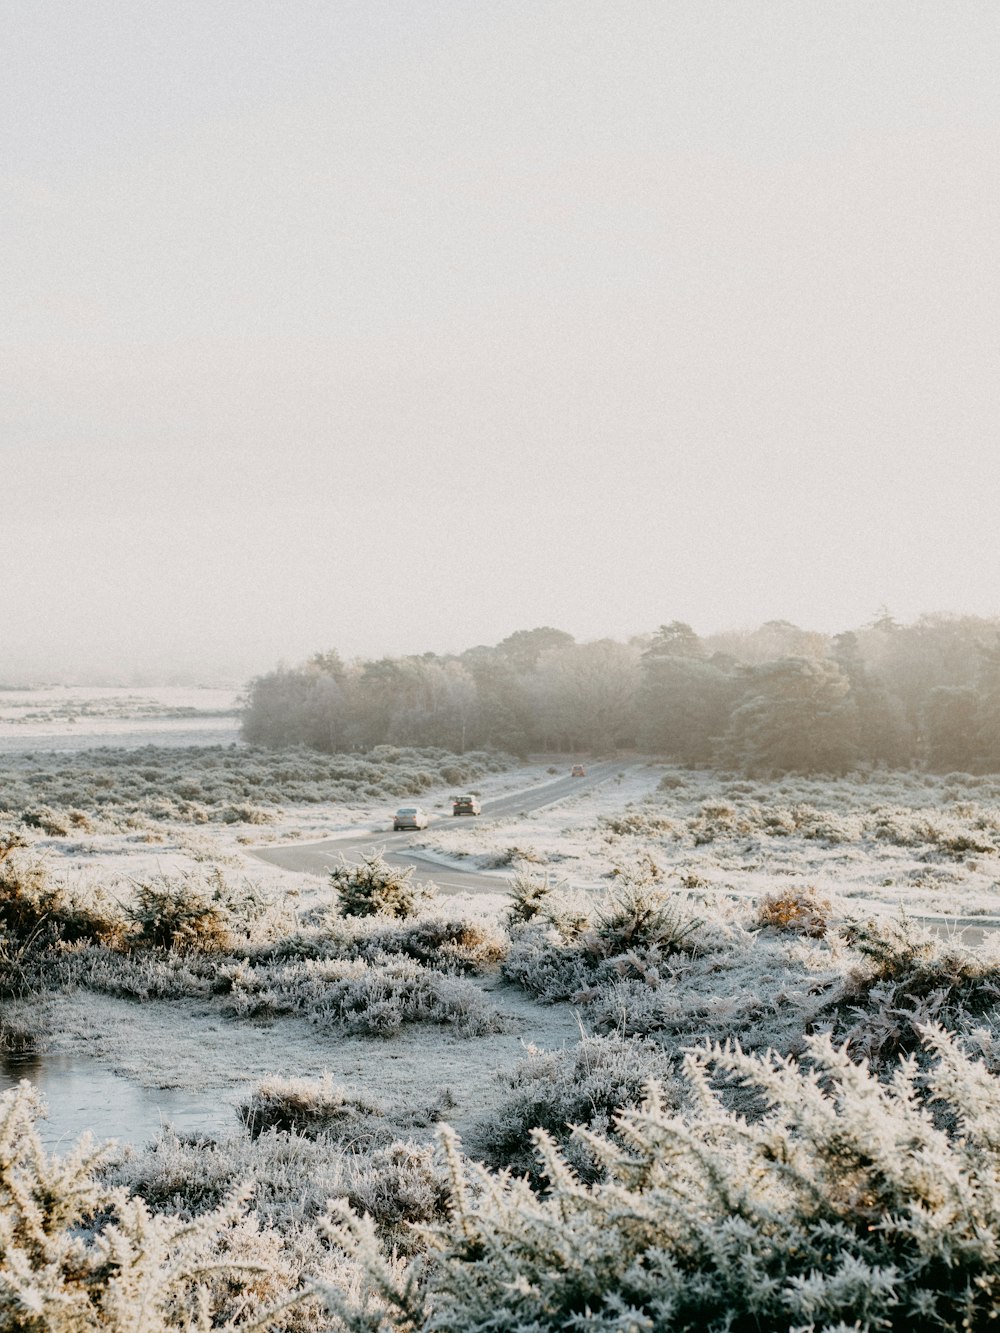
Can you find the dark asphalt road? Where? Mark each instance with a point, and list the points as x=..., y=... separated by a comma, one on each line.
x=317, y=858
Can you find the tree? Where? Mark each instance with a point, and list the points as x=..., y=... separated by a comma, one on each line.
x=675, y=640
x=795, y=717
x=951, y=731
x=524, y=647
x=684, y=705
x=585, y=695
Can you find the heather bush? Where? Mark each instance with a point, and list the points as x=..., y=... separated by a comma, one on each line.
x=311, y=1107
x=848, y=1204
x=374, y=998
x=445, y=943
x=559, y=1090
x=112, y=787
x=289, y=1179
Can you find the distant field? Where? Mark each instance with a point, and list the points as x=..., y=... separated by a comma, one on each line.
x=70, y=717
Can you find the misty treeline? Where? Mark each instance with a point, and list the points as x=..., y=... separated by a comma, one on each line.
x=774, y=699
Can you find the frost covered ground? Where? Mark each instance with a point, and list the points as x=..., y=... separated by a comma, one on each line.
x=600, y=937
x=928, y=845
x=74, y=717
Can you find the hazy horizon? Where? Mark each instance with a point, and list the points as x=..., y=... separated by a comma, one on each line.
x=397, y=329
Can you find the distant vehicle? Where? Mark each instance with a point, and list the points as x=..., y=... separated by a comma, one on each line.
x=466, y=805
x=410, y=816
x=578, y=771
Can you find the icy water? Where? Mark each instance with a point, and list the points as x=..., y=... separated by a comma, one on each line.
x=81, y=1096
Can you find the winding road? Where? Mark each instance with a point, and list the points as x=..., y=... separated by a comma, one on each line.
x=317, y=858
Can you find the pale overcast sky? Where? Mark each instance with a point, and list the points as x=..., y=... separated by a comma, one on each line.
x=400, y=326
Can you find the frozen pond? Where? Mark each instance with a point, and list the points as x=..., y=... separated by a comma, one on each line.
x=80, y=1096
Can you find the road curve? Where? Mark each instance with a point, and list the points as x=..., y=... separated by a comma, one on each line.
x=317, y=858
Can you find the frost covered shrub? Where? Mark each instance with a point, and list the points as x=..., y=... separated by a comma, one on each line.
x=290, y=1179
x=529, y=894
x=800, y=910
x=47, y=820
x=447, y=944
x=556, y=1091
x=243, y=812
x=32, y=907
x=113, y=786
x=375, y=998
x=846, y=1205
x=639, y=917
x=400, y=1187
x=373, y=886
x=459, y=946
x=634, y=930
x=309, y=1106
x=181, y=915
x=910, y=978
x=636, y=823
x=78, y=1255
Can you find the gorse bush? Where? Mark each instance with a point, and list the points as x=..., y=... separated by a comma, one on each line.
x=33, y=908
x=76, y=1255
x=176, y=915
x=529, y=895
x=800, y=910
x=371, y=886
x=846, y=1205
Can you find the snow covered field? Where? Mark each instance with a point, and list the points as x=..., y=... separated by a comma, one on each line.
x=76, y=717
x=157, y=972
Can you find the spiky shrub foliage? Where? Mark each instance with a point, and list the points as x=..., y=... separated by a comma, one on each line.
x=529, y=895
x=799, y=910
x=846, y=1205
x=560, y=955
x=639, y=917
x=181, y=915
x=372, y=886
x=32, y=907
x=76, y=1255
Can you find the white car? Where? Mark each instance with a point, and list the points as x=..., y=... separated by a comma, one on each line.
x=410, y=816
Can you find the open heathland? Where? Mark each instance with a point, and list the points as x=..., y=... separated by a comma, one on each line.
x=674, y=1058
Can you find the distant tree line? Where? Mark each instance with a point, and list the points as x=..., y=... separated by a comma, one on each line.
x=772, y=700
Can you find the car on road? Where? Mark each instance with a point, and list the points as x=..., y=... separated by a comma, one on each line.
x=410, y=816
x=578, y=771
x=466, y=805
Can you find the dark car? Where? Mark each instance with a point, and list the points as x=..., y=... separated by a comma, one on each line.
x=465, y=805
x=409, y=816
